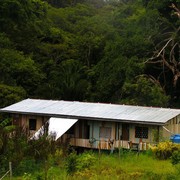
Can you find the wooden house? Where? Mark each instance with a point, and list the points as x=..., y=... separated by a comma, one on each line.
x=96, y=125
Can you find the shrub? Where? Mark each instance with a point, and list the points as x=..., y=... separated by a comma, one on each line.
x=85, y=161
x=164, y=150
x=39, y=149
x=26, y=166
x=27, y=176
x=71, y=163
x=175, y=157
x=76, y=163
x=57, y=158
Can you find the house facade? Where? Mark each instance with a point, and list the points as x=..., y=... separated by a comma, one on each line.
x=97, y=125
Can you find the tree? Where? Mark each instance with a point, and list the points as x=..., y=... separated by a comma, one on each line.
x=22, y=21
x=72, y=80
x=144, y=92
x=127, y=46
x=167, y=50
x=10, y=95
x=18, y=70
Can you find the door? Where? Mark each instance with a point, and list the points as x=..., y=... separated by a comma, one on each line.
x=125, y=132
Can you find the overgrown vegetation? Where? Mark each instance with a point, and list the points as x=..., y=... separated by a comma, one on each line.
x=91, y=165
x=86, y=50
x=165, y=150
x=79, y=163
x=46, y=159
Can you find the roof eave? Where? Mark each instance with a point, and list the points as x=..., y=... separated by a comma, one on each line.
x=84, y=117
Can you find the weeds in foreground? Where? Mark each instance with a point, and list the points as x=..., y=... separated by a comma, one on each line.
x=44, y=159
x=128, y=165
x=90, y=165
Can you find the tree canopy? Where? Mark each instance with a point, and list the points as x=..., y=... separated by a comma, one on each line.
x=101, y=51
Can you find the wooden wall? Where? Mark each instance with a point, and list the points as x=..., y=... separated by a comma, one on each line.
x=23, y=121
x=88, y=129
x=116, y=131
x=173, y=126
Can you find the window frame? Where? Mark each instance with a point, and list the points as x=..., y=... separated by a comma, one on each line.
x=141, y=132
x=32, y=124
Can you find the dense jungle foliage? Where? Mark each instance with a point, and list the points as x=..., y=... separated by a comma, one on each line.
x=112, y=51
x=118, y=51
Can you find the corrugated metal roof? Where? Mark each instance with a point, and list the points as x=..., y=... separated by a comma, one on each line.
x=84, y=110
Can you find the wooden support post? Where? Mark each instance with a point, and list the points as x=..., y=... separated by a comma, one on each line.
x=99, y=147
x=99, y=156
x=10, y=170
x=119, y=148
x=119, y=141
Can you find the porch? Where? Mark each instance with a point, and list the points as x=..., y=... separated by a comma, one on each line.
x=108, y=144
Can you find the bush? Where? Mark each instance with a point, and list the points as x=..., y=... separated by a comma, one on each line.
x=57, y=158
x=85, y=161
x=165, y=150
x=26, y=166
x=76, y=163
x=175, y=157
x=71, y=163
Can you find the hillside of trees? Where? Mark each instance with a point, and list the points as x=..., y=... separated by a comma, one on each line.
x=112, y=51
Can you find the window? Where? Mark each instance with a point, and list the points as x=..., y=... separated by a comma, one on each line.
x=141, y=132
x=105, y=132
x=32, y=124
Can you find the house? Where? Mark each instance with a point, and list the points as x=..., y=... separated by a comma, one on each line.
x=96, y=125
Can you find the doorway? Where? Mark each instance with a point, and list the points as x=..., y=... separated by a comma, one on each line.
x=125, y=132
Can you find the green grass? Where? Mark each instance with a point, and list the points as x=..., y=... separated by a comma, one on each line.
x=132, y=166
x=128, y=165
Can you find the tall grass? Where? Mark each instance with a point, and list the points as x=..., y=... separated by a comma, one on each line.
x=127, y=165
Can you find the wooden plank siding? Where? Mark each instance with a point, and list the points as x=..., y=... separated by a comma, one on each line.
x=123, y=135
x=96, y=141
x=173, y=126
x=24, y=122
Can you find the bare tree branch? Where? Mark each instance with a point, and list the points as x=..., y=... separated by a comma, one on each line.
x=164, y=47
x=177, y=11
